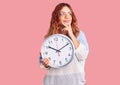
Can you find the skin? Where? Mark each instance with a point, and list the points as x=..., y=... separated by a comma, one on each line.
x=65, y=19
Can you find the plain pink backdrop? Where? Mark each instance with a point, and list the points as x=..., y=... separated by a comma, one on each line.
x=23, y=23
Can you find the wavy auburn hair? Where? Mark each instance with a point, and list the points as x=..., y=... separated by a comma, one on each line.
x=54, y=23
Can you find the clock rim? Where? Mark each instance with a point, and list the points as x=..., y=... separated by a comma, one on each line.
x=62, y=36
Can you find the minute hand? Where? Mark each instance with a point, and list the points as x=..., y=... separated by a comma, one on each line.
x=63, y=46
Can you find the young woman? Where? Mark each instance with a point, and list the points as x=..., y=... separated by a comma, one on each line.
x=63, y=21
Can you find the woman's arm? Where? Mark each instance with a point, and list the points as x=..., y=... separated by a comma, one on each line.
x=82, y=50
x=71, y=35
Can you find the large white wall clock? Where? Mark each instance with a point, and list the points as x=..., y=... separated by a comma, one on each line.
x=58, y=49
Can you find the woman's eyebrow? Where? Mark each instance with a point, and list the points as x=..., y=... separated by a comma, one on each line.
x=66, y=12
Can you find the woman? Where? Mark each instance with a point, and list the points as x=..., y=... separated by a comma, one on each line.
x=63, y=21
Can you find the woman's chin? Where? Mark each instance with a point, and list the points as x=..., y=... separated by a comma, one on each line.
x=66, y=24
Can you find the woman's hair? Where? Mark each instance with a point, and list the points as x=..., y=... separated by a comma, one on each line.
x=54, y=23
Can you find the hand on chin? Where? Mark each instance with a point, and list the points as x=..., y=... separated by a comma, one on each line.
x=66, y=24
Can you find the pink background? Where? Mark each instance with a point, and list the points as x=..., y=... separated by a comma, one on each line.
x=23, y=23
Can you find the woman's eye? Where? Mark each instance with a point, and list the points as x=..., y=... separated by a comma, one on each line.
x=69, y=13
x=62, y=14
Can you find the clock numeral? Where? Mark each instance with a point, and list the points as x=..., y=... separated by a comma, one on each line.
x=62, y=39
x=49, y=58
x=46, y=53
x=46, y=47
x=54, y=61
x=70, y=48
x=66, y=59
x=67, y=42
x=60, y=62
x=55, y=39
x=50, y=42
x=69, y=54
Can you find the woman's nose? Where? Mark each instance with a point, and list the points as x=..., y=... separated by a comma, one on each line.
x=66, y=16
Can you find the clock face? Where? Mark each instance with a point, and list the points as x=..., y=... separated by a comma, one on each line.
x=58, y=49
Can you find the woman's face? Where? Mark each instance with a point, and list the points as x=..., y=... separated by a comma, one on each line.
x=65, y=16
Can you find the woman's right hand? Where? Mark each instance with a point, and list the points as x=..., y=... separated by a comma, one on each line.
x=45, y=62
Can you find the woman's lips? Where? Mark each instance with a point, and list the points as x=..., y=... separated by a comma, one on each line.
x=66, y=21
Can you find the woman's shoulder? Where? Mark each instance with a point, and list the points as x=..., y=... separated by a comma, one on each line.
x=81, y=34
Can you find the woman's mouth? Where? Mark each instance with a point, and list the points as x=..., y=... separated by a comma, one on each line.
x=66, y=21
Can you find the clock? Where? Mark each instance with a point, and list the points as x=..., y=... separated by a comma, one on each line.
x=58, y=49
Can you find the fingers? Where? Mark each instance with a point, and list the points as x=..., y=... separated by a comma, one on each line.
x=68, y=25
x=45, y=62
x=64, y=29
x=67, y=28
x=40, y=53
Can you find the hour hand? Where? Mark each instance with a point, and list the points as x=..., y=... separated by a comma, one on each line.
x=53, y=49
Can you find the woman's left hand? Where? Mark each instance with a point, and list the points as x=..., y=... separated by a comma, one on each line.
x=68, y=28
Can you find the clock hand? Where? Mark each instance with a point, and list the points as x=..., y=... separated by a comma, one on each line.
x=63, y=47
x=54, y=49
